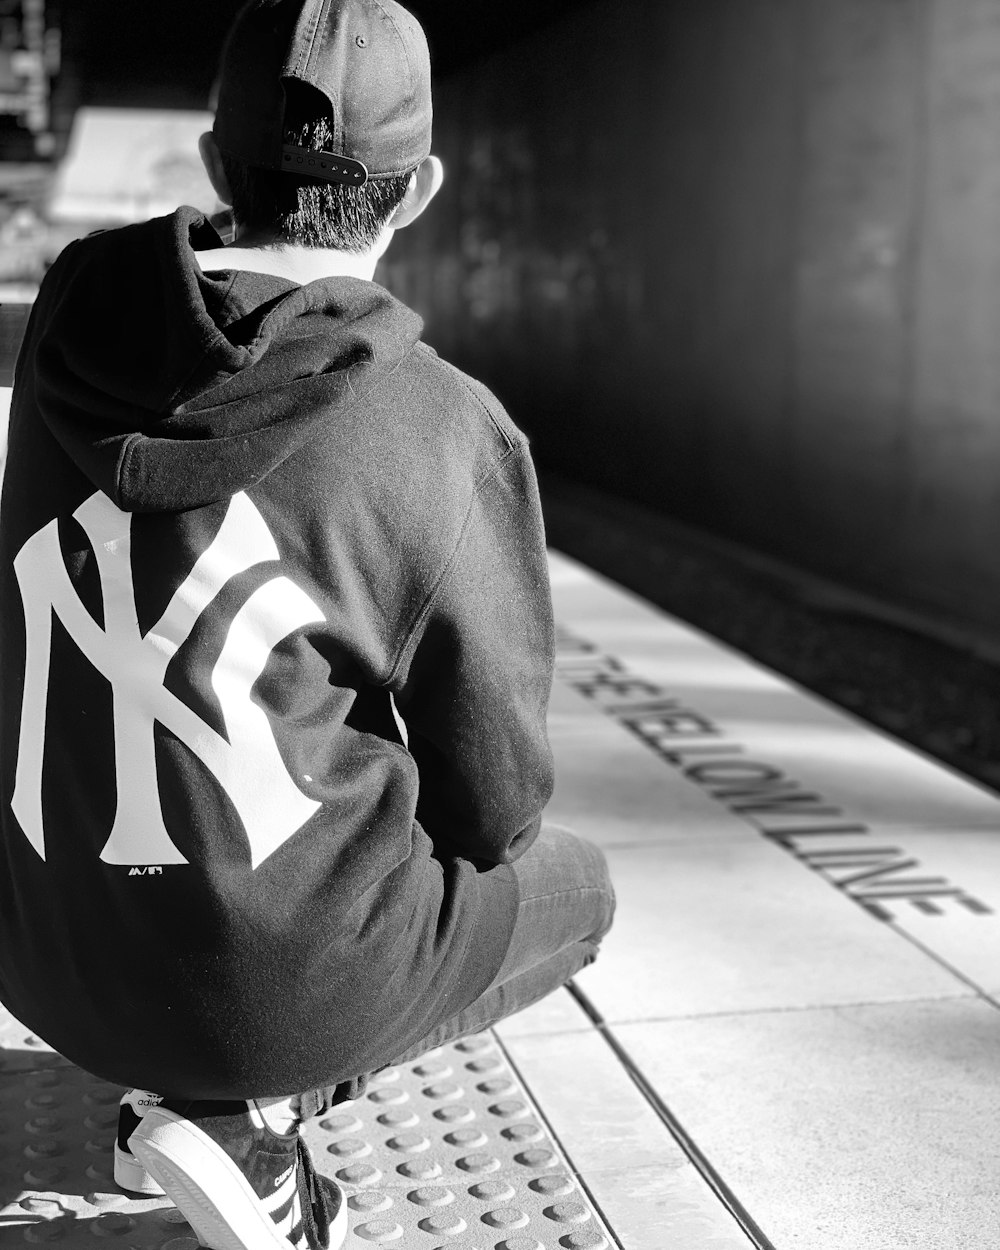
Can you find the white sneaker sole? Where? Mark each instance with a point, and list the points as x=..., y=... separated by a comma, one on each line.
x=209, y=1189
x=131, y=1175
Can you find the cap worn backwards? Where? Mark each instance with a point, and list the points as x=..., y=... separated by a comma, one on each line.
x=368, y=59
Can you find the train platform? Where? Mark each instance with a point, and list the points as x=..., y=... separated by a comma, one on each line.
x=791, y=1039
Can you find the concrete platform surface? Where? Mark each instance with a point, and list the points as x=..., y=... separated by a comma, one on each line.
x=804, y=971
x=791, y=1040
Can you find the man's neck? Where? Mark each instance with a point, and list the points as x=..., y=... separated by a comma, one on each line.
x=297, y=264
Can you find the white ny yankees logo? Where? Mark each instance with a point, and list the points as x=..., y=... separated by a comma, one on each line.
x=248, y=765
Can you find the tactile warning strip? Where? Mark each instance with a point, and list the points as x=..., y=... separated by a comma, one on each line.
x=448, y=1153
x=452, y=1152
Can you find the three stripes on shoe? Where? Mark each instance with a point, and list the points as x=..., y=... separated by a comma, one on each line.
x=284, y=1205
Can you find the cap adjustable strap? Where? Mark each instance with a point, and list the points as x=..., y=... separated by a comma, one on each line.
x=325, y=165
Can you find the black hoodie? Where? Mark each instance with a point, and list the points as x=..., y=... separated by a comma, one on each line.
x=249, y=529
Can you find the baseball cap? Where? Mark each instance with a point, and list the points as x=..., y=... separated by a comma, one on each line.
x=369, y=61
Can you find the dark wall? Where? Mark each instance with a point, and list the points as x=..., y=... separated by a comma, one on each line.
x=741, y=259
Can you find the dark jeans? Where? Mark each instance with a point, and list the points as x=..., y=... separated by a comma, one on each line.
x=567, y=904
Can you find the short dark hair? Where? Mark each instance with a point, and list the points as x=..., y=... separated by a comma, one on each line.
x=307, y=211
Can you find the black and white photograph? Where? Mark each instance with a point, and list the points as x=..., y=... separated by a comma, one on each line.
x=500, y=624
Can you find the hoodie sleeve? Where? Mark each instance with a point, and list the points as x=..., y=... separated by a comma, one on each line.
x=474, y=681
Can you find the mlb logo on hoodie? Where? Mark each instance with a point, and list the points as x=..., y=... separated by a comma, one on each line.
x=246, y=762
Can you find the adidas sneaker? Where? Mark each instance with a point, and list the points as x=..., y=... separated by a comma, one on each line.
x=129, y=1172
x=240, y=1185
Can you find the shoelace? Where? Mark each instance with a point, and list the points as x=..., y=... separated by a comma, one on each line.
x=317, y=1213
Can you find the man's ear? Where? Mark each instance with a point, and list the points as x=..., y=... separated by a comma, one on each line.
x=425, y=183
x=211, y=158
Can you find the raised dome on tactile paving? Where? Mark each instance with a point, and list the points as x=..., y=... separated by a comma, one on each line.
x=449, y=1153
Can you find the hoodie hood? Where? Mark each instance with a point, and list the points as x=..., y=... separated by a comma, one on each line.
x=172, y=389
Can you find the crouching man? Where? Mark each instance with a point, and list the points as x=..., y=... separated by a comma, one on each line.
x=276, y=639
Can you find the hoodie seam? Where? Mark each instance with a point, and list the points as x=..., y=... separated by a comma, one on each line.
x=422, y=612
x=171, y=244
x=509, y=441
x=207, y=349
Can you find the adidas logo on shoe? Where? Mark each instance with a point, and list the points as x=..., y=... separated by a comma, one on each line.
x=129, y=1172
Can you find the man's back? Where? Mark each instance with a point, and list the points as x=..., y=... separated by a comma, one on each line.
x=247, y=523
x=277, y=646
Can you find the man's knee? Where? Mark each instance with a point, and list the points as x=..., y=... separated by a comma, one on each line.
x=590, y=871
